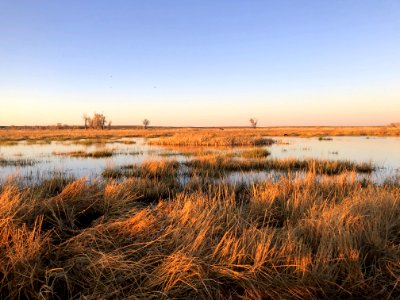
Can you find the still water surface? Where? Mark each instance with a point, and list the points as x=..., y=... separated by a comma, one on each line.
x=384, y=152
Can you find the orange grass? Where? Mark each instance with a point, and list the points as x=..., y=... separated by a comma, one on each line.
x=11, y=134
x=298, y=238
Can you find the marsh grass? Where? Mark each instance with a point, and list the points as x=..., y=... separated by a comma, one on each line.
x=8, y=143
x=105, y=140
x=161, y=169
x=84, y=154
x=180, y=134
x=21, y=162
x=297, y=238
x=255, y=153
x=126, y=142
x=324, y=138
x=38, y=142
x=216, y=165
x=187, y=152
x=139, y=233
x=212, y=140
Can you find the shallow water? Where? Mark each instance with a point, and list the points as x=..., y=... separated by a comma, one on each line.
x=47, y=163
x=383, y=152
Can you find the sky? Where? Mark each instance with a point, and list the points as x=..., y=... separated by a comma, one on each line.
x=200, y=62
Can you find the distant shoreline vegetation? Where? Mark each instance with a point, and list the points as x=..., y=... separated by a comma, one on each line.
x=12, y=134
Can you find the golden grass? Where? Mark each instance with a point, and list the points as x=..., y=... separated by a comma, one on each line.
x=212, y=140
x=254, y=153
x=84, y=154
x=150, y=236
x=298, y=238
x=150, y=169
x=16, y=162
x=12, y=135
x=216, y=165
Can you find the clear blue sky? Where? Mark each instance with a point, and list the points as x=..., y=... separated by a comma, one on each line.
x=200, y=62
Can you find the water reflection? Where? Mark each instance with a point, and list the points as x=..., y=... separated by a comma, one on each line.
x=381, y=151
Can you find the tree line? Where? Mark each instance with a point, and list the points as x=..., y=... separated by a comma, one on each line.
x=99, y=121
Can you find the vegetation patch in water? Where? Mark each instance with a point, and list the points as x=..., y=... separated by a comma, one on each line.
x=255, y=153
x=217, y=164
x=95, y=154
x=16, y=162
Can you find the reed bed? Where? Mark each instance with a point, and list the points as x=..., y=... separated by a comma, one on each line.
x=151, y=169
x=166, y=229
x=84, y=154
x=254, y=153
x=8, y=143
x=16, y=162
x=215, y=165
x=21, y=134
x=212, y=140
x=93, y=141
x=298, y=238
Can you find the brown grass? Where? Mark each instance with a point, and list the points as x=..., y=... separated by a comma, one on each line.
x=16, y=162
x=84, y=154
x=296, y=238
x=148, y=236
x=216, y=165
x=13, y=135
x=212, y=140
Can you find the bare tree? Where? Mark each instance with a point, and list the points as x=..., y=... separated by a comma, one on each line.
x=98, y=121
x=146, y=123
x=253, y=122
x=109, y=124
x=86, y=119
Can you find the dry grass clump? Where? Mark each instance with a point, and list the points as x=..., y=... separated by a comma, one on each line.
x=8, y=143
x=16, y=162
x=298, y=238
x=212, y=140
x=153, y=180
x=216, y=165
x=160, y=169
x=255, y=153
x=155, y=168
x=84, y=154
x=186, y=152
x=104, y=140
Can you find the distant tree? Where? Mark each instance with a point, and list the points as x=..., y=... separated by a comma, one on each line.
x=146, y=123
x=109, y=124
x=253, y=122
x=98, y=121
x=86, y=119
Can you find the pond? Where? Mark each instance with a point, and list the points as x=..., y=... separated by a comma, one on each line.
x=41, y=161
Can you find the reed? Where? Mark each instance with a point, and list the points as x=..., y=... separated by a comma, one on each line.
x=84, y=154
x=297, y=238
x=21, y=134
x=212, y=140
x=181, y=230
x=216, y=165
x=255, y=153
x=16, y=162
